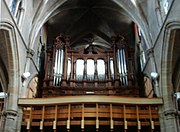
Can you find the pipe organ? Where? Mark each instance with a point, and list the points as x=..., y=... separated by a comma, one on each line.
x=101, y=76
x=122, y=62
x=95, y=70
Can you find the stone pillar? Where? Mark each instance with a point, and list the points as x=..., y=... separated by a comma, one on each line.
x=10, y=121
x=19, y=119
x=168, y=112
x=11, y=112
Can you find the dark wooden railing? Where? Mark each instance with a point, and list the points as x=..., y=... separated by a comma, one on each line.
x=95, y=111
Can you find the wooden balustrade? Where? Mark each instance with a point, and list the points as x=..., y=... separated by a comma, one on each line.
x=96, y=111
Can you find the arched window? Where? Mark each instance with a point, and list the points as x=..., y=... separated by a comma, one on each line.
x=165, y=5
x=79, y=69
x=13, y=6
x=17, y=10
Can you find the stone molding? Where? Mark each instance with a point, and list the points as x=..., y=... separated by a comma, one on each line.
x=170, y=114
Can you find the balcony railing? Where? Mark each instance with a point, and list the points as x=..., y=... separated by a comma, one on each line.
x=97, y=111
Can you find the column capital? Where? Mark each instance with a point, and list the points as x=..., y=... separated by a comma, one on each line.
x=171, y=113
x=10, y=113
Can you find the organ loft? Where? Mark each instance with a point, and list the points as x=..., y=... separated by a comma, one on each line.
x=89, y=66
x=96, y=87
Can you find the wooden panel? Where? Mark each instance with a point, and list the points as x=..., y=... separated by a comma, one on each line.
x=88, y=99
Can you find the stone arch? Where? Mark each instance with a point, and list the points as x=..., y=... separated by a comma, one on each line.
x=12, y=65
x=12, y=54
x=168, y=110
x=49, y=7
x=167, y=54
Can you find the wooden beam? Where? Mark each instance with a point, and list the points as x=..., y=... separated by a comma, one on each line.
x=89, y=99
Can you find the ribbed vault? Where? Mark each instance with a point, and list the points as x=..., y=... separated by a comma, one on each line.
x=79, y=19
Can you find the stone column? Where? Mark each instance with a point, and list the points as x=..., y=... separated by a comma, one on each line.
x=10, y=121
x=19, y=119
x=11, y=112
x=14, y=92
x=168, y=113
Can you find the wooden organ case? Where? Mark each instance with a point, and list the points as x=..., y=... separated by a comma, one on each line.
x=89, y=71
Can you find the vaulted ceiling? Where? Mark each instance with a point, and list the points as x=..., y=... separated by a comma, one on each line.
x=97, y=20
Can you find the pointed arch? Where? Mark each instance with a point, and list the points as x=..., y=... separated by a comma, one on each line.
x=168, y=110
x=167, y=55
x=11, y=63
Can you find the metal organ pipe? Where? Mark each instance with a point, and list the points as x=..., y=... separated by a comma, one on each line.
x=61, y=65
x=69, y=68
x=125, y=67
x=119, y=66
x=122, y=66
x=112, y=68
x=55, y=68
x=58, y=68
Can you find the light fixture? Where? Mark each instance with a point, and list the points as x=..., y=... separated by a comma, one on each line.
x=26, y=75
x=89, y=92
x=177, y=95
x=3, y=95
x=154, y=75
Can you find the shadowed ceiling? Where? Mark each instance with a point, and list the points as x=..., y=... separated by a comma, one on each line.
x=90, y=20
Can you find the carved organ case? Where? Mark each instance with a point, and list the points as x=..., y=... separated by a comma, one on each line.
x=89, y=70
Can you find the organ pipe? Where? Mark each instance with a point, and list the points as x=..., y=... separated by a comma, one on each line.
x=58, y=68
x=55, y=67
x=90, y=69
x=101, y=69
x=112, y=68
x=79, y=69
x=69, y=68
x=122, y=66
